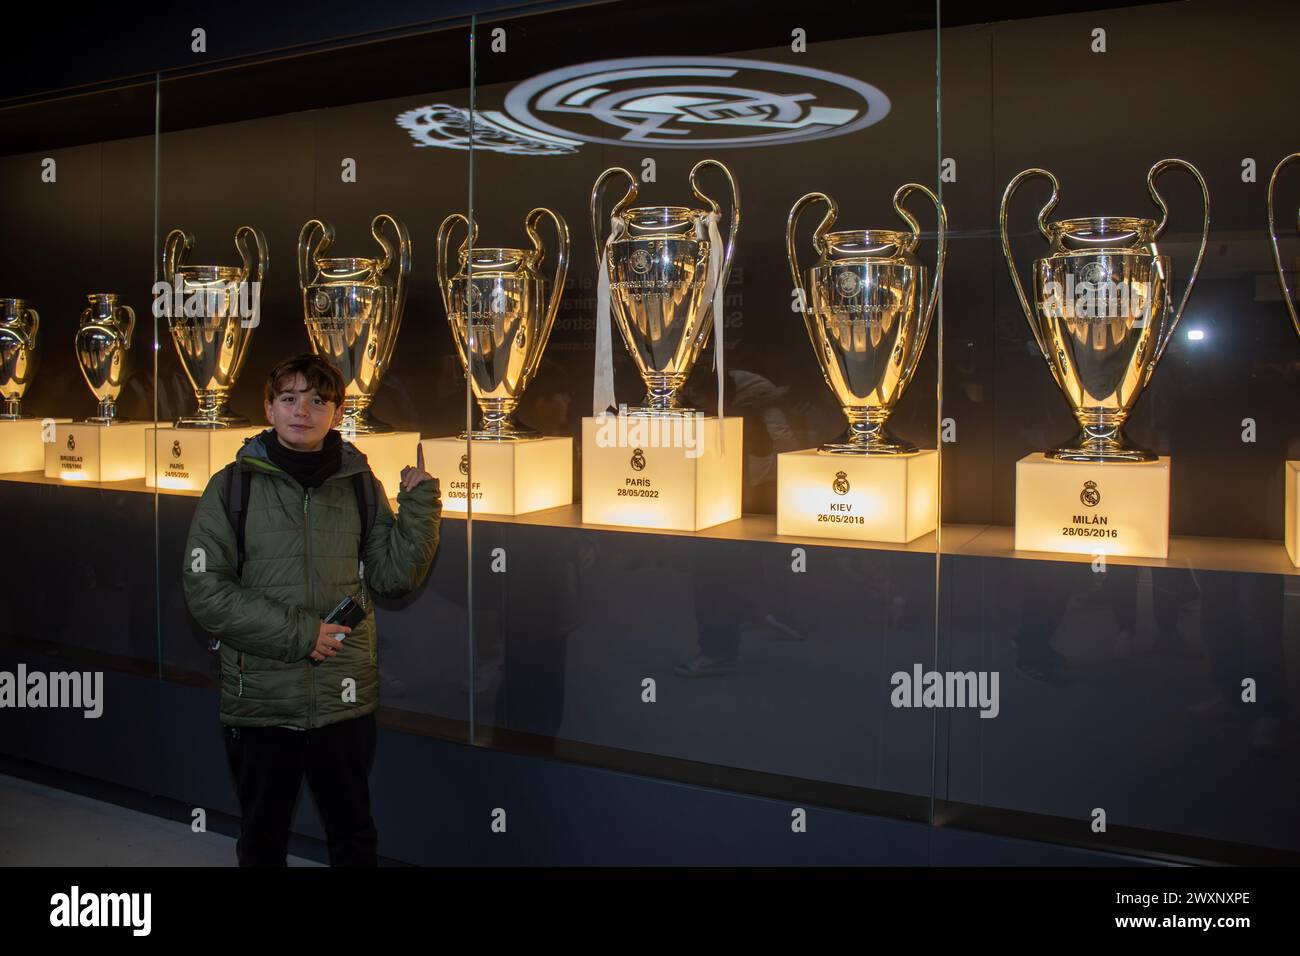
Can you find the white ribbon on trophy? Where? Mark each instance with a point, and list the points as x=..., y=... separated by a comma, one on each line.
x=602, y=395
x=716, y=283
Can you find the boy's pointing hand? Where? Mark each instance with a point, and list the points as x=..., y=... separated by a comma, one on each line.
x=415, y=475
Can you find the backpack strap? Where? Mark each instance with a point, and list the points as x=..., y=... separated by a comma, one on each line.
x=237, y=482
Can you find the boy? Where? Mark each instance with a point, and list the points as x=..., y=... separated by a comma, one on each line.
x=298, y=695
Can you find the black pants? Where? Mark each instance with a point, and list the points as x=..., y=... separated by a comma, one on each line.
x=269, y=764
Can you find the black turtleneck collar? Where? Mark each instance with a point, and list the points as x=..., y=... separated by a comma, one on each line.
x=308, y=468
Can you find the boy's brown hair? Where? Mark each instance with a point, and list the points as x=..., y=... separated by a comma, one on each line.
x=316, y=372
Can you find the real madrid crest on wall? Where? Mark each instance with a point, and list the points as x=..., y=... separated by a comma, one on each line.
x=638, y=459
x=841, y=483
x=176, y=448
x=464, y=464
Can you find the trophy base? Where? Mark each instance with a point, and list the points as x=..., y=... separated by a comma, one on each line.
x=860, y=497
x=220, y=421
x=1103, y=447
x=183, y=459
x=509, y=478
x=502, y=434
x=883, y=449
x=97, y=451
x=656, y=411
x=1089, y=507
x=387, y=453
x=864, y=437
x=680, y=473
x=22, y=446
x=1291, y=534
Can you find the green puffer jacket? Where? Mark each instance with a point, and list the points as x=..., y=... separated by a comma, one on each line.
x=300, y=560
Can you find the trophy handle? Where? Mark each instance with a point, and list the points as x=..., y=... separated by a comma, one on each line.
x=30, y=344
x=1011, y=262
x=714, y=207
x=1167, y=332
x=940, y=256
x=1277, y=251
x=442, y=250
x=403, y=252
x=130, y=324
x=628, y=198
x=442, y=247
x=561, y=273
x=307, y=252
x=403, y=272
x=175, y=246
x=245, y=235
x=792, y=254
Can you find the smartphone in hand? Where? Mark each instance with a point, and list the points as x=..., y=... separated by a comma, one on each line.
x=348, y=613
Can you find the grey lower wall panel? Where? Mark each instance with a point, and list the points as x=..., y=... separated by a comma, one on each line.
x=434, y=799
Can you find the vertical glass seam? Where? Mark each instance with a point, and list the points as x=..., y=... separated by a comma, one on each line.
x=157, y=194
x=469, y=448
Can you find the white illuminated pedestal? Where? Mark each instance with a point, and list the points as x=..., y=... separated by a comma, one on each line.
x=510, y=477
x=21, y=444
x=860, y=497
x=387, y=455
x=1117, y=508
x=670, y=472
x=185, y=458
x=1292, y=532
x=90, y=451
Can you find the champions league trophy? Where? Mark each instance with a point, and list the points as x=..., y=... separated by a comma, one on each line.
x=18, y=361
x=212, y=311
x=1291, y=535
x=353, y=309
x=1287, y=295
x=867, y=307
x=1101, y=312
x=103, y=337
x=663, y=270
x=501, y=316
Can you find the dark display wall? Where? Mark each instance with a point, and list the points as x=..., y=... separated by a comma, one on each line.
x=1182, y=81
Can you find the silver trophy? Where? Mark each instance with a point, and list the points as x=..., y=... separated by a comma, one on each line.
x=501, y=316
x=103, y=336
x=212, y=311
x=18, y=327
x=666, y=270
x=1287, y=295
x=353, y=309
x=867, y=307
x=1101, y=312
